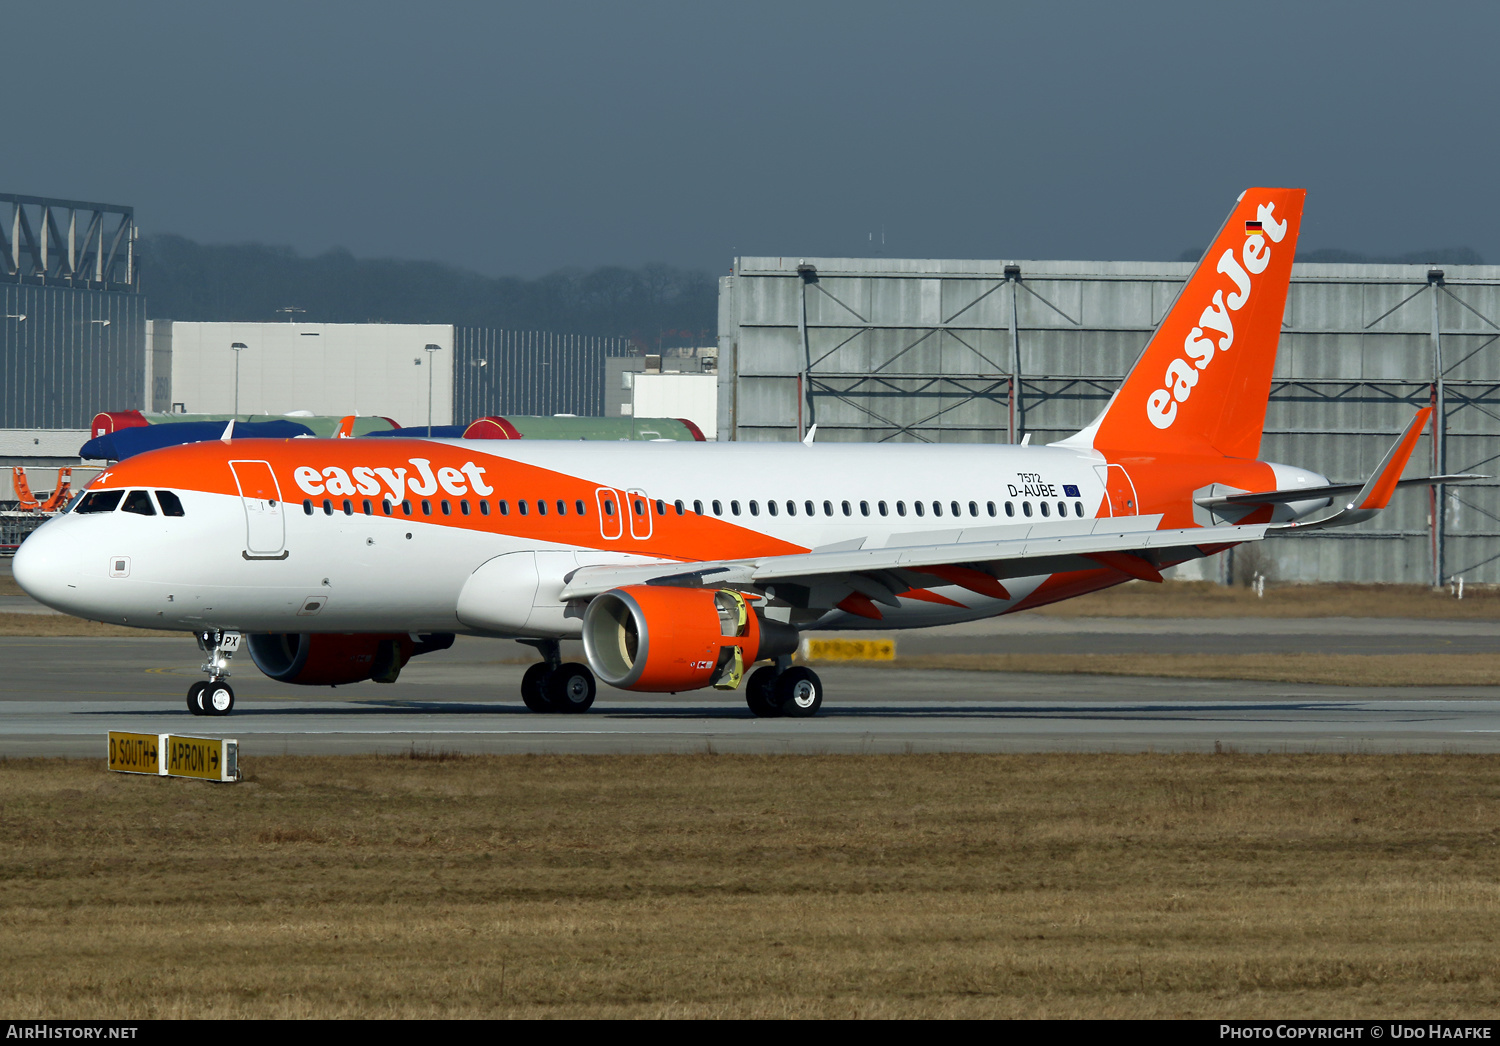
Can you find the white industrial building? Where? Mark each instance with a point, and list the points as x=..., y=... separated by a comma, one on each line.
x=382, y=369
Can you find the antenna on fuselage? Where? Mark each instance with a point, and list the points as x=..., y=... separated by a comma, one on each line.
x=228, y=432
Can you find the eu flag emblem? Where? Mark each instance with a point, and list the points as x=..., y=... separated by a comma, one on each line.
x=1069, y=490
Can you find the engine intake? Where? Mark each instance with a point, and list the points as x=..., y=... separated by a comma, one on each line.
x=332, y=660
x=663, y=639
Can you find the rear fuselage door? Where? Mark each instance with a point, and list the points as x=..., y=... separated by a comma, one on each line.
x=265, y=525
x=1119, y=489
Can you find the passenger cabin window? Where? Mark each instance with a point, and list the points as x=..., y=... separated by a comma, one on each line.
x=771, y=507
x=958, y=511
x=808, y=505
x=327, y=507
x=386, y=506
x=791, y=508
x=734, y=506
x=754, y=508
x=864, y=509
x=678, y=506
x=937, y=508
x=848, y=511
x=562, y=507
x=990, y=506
x=918, y=506
x=1043, y=506
x=1010, y=508
x=405, y=506
x=1062, y=508
x=883, y=511
x=698, y=508
x=426, y=507
x=1026, y=508
x=171, y=504
x=370, y=509
x=445, y=505
x=718, y=509
x=307, y=507
x=348, y=507
x=521, y=506
x=463, y=506
x=640, y=507
x=661, y=507
x=579, y=508
x=609, y=507
x=541, y=507
x=505, y=506
x=139, y=502
x=484, y=508
x=900, y=508
x=1078, y=509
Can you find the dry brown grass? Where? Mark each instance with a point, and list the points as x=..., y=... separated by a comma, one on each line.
x=900, y=886
x=66, y=625
x=1206, y=599
x=1334, y=669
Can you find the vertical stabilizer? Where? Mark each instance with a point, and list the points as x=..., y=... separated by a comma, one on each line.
x=1201, y=385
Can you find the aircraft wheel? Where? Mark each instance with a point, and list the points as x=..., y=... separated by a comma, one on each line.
x=218, y=699
x=571, y=688
x=195, y=698
x=534, y=688
x=759, y=689
x=799, y=692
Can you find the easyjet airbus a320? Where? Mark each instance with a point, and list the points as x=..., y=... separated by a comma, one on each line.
x=681, y=565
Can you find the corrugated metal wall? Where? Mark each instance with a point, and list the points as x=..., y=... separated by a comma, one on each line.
x=529, y=372
x=923, y=350
x=76, y=352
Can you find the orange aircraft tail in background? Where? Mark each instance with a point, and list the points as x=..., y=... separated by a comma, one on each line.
x=1201, y=386
x=28, y=501
x=59, y=496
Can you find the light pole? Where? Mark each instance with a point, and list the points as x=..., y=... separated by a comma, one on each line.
x=238, y=347
x=430, y=350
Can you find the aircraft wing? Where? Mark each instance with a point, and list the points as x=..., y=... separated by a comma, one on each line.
x=973, y=558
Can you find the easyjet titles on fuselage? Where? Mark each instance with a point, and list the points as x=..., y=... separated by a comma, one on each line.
x=370, y=480
x=1181, y=376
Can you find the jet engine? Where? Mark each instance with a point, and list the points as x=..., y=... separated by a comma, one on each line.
x=664, y=639
x=330, y=660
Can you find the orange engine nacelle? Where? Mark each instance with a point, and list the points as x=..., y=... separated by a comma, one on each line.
x=663, y=639
x=331, y=660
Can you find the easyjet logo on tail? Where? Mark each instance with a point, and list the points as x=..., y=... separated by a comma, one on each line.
x=1199, y=348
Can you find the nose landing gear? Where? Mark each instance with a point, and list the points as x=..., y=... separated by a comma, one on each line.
x=784, y=690
x=214, y=697
x=551, y=686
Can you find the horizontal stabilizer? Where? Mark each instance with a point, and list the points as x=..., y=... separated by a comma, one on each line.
x=1376, y=492
x=1332, y=490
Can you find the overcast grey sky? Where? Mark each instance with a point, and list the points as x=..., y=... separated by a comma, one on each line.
x=519, y=138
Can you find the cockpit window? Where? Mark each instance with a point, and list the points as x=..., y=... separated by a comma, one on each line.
x=139, y=502
x=171, y=504
x=100, y=501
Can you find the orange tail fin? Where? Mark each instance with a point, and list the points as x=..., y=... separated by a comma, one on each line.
x=1202, y=383
x=28, y=500
x=59, y=496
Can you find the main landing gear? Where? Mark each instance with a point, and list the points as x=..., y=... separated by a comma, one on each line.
x=214, y=697
x=784, y=690
x=552, y=686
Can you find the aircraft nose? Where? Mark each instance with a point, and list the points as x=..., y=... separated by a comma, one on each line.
x=42, y=565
